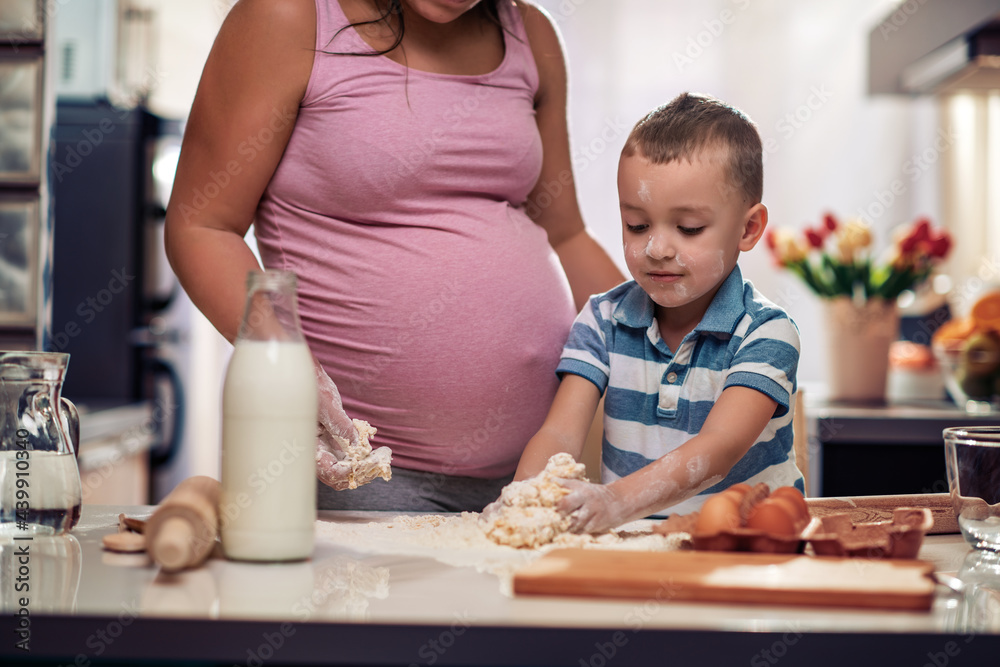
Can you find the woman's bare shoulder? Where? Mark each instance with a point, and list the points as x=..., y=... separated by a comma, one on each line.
x=270, y=42
x=546, y=46
x=540, y=27
x=283, y=20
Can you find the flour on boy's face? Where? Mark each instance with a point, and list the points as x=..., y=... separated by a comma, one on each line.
x=680, y=235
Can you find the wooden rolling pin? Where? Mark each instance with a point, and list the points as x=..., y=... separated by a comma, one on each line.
x=183, y=530
x=866, y=509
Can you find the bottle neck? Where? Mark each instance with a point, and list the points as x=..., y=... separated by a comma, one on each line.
x=271, y=311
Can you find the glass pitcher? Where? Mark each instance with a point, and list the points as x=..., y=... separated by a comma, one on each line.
x=40, y=491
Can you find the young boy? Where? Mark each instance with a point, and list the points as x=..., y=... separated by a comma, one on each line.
x=699, y=367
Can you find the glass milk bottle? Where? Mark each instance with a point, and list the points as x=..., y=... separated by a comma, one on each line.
x=269, y=407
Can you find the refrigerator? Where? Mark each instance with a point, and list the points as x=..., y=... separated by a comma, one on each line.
x=112, y=290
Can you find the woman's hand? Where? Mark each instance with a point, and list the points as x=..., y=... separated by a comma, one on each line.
x=335, y=428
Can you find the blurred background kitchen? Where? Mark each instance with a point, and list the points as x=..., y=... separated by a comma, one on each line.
x=857, y=103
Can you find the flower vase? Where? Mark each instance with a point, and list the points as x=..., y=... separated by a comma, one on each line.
x=858, y=338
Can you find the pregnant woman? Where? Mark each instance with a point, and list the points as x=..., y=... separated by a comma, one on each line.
x=409, y=160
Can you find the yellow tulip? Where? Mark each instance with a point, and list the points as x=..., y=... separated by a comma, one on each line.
x=852, y=237
x=789, y=248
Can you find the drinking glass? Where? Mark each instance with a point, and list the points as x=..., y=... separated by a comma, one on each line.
x=972, y=461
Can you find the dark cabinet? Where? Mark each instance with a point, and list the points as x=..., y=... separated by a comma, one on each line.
x=877, y=450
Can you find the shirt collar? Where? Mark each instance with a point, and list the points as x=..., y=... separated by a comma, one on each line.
x=637, y=310
x=726, y=309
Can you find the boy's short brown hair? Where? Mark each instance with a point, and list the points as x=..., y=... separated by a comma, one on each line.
x=692, y=122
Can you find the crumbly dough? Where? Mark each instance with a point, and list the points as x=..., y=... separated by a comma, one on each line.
x=366, y=464
x=526, y=515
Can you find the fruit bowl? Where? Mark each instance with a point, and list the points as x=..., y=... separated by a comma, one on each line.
x=971, y=371
x=968, y=351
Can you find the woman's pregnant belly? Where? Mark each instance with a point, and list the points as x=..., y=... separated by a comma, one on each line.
x=445, y=338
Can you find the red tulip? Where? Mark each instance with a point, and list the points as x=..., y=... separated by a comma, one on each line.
x=922, y=230
x=908, y=244
x=940, y=244
x=830, y=222
x=814, y=238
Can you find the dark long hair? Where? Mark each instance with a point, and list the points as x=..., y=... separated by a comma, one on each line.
x=395, y=7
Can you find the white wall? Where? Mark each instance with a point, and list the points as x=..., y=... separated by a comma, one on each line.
x=188, y=30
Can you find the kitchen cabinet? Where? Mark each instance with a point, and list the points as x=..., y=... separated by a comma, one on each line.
x=863, y=450
x=354, y=605
x=26, y=114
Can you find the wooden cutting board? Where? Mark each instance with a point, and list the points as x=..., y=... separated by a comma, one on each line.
x=710, y=576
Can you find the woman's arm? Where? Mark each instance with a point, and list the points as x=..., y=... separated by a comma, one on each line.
x=565, y=428
x=243, y=114
x=553, y=203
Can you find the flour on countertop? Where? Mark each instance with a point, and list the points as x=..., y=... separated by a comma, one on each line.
x=458, y=540
x=343, y=587
x=523, y=527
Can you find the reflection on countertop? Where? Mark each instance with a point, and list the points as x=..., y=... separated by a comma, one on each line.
x=44, y=571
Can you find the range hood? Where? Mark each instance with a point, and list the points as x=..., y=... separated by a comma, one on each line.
x=936, y=47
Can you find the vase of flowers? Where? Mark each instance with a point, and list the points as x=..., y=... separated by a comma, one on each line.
x=835, y=260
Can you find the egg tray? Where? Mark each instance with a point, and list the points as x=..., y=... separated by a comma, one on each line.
x=901, y=537
x=750, y=539
x=735, y=539
x=831, y=535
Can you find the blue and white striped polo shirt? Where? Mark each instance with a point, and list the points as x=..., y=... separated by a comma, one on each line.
x=657, y=400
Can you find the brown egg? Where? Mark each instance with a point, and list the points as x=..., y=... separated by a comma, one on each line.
x=720, y=513
x=794, y=495
x=774, y=516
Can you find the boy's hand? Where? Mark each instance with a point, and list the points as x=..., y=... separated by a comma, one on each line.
x=592, y=508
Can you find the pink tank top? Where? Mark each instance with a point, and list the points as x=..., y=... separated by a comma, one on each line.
x=435, y=304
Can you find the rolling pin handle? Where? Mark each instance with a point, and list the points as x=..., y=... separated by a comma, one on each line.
x=173, y=544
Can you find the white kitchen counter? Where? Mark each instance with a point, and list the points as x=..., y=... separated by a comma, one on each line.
x=359, y=603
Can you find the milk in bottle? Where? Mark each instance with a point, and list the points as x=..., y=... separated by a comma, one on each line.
x=268, y=501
